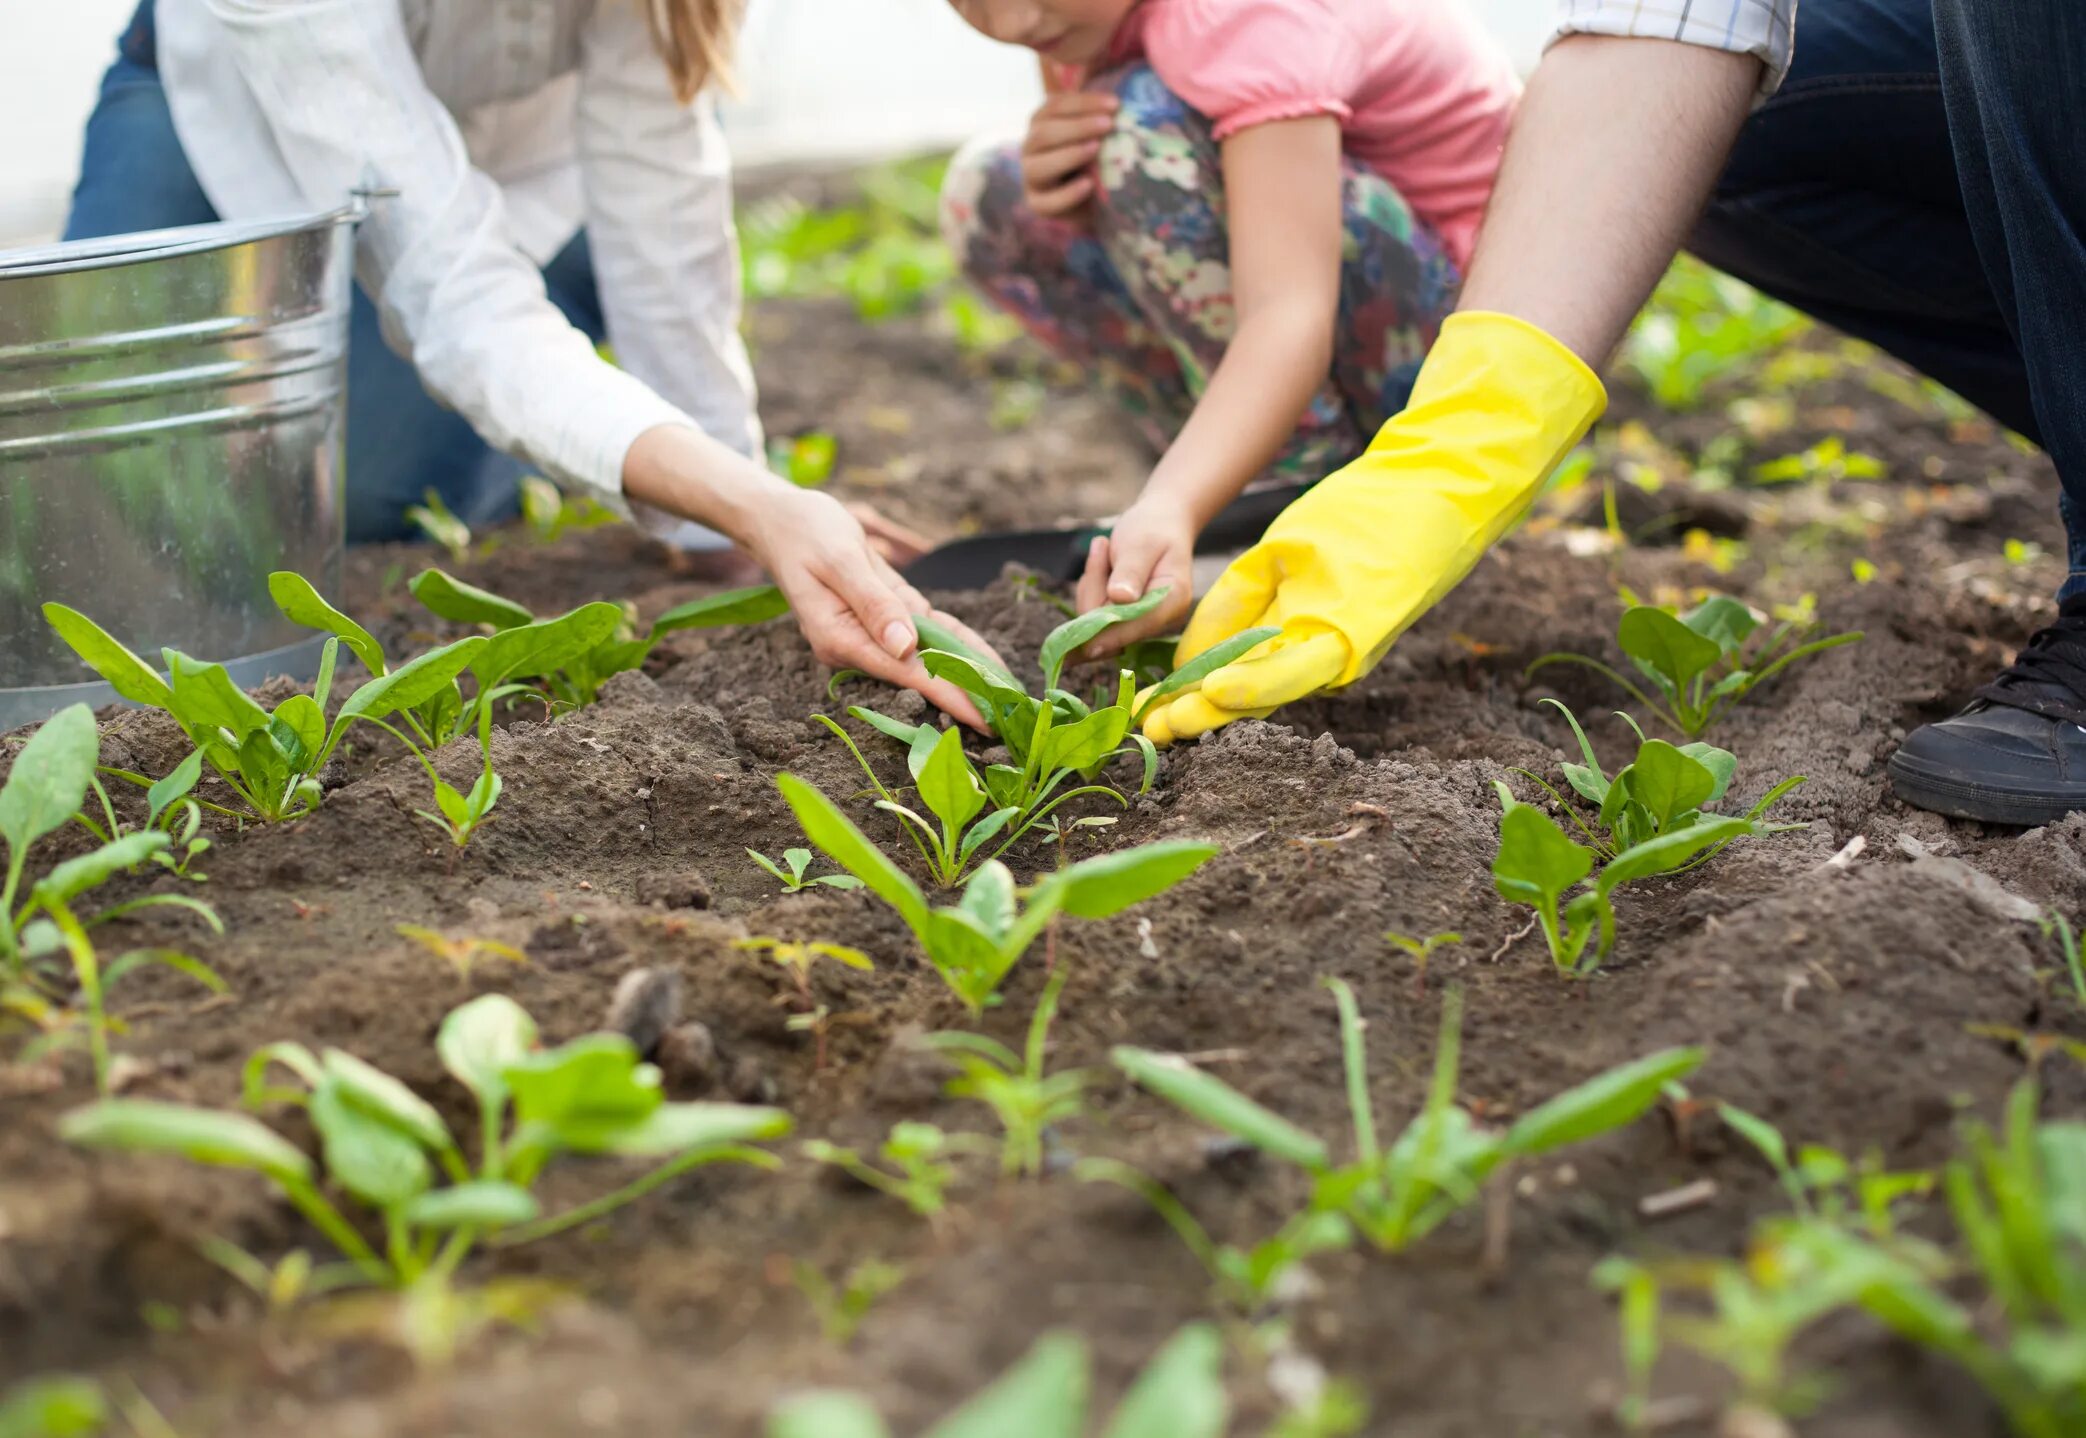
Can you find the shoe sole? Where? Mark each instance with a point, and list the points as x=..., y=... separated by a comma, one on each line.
x=1959, y=798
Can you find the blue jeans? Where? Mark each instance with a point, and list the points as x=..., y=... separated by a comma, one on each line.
x=401, y=442
x=1920, y=181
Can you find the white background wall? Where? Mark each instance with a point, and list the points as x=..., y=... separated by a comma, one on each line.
x=823, y=78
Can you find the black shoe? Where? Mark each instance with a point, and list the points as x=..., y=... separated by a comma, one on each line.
x=2017, y=755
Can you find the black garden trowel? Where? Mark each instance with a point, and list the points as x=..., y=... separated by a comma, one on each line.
x=1058, y=555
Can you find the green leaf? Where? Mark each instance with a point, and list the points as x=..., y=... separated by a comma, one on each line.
x=480, y=1040
x=1664, y=646
x=1085, y=742
x=1109, y=883
x=934, y=635
x=1180, y=1394
x=180, y=963
x=1609, y=1101
x=970, y=960
x=949, y=786
x=302, y=604
x=1669, y=851
x=1722, y=765
x=482, y=1203
x=49, y=780
x=1042, y=1396
x=1207, y=663
x=175, y=786
x=1000, y=695
x=589, y=1092
x=369, y=1157
x=376, y=1093
x=298, y=727
x=55, y=1407
x=826, y=1415
x=1061, y=641
x=1214, y=1102
x=1723, y=621
x=677, y=1128
x=410, y=685
x=831, y=832
x=754, y=605
x=451, y=598
x=229, y=1140
x=77, y=875
x=978, y=836
x=1668, y=783
x=989, y=899
x=204, y=697
x=542, y=646
x=127, y=674
x=1536, y=861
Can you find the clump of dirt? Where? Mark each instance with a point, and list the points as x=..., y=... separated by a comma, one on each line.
x=1835, y=999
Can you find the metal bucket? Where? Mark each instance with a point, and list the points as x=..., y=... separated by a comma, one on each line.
x=171, y=424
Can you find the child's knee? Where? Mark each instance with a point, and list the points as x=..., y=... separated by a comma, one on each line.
x=980, y=191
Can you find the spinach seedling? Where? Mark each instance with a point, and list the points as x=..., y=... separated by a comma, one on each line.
x=384, y=1145
x=841, y=1307
x=950, y=790
x=1661, y=792
x=463, y=953
x=790, y=872
x=551, y=513
x=270, y=761
x=434, y=518
x=975, y=942
x=1394, y=1195
x=798, y=958
x=1026, y=1100
x=1538, y=864
x=918, y=1151
x=1420, y=951
x=1180, y=1394
x=1703, y=661
x=571, y=674
x=169, y=808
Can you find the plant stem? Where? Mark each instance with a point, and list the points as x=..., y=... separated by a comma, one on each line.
x=326, y=1218
x=608, y=1202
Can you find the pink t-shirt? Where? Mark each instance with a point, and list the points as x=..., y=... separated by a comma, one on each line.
x=1423, y=97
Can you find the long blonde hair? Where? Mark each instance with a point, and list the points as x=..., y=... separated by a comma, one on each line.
x=695, y=38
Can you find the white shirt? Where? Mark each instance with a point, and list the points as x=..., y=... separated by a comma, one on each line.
x=1766, y=28
x=505, y=125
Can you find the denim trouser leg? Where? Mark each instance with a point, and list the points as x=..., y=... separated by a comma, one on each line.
x=2014, y=76
x=1843, y=198
x=135, y=176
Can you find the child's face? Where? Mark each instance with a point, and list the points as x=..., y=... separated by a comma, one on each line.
x=1071, y=32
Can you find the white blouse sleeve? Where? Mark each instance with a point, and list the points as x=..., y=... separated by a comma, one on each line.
x=345, y=102
x=657, y=182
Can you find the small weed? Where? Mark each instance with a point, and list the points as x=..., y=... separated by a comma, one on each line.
x=918, y=1151
x=798, y=958
x=841, y=1307
x=463, y=953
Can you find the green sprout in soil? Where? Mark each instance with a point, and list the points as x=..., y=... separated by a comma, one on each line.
x=551, y=514
x=1821, y=463
x=790, y=872
x=569, y=666
x=949, y=788
x=841, y=1307
x=385, y=1147
x=1025, y=1099
x=1420, y=951
x=1704, y=661
x=2006, y=1301
x=2055, y=925
x=434, y=518
x=797, y=959
x=919, y=1152
x=1390, y=1196
x=269, y=760
x=1700, y=328
x=168, y=808
x=1180, y=1394
x=974, y=943
x=461, y=953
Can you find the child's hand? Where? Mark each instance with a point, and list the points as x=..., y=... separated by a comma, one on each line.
x=1064, y=137
x=1153, y=547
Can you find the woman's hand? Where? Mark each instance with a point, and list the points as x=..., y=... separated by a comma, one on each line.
x=1152, y=546
x=1064, y=136
x=852, y=605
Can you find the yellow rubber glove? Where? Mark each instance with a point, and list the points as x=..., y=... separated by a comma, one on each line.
x=1369, y=549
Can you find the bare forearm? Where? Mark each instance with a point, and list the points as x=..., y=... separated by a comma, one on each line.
x=1271, y=368
x=1614, y=150
x=685, y=472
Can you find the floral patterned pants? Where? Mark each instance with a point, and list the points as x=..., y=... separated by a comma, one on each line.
x=1137, y=288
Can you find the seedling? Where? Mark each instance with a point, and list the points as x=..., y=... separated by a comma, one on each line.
x=57, y=1407
x=949, y=787
x=461, y=954
x=1822, y=463
x=434, y=518
x=1420, y=951
x=1180, y=1394
x=842, y=1306
x=168, y=808
x=790, y=872
x=270, y=761
x=570, y=672
x=1024, y=1099
x=551, y=514
x=2054, y=924
x=461, y=814
x=1663, y=791
x=1396, y=1195
x=1059, y=738
x=797, y=958
x=1700, y=327
x=918, y=1151
x=974, y=943
x=1703, y=661
x=384, y=1145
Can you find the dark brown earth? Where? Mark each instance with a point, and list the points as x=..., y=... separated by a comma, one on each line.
x=1834, y=1001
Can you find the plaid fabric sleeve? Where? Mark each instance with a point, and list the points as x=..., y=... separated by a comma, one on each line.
x=1766, y=28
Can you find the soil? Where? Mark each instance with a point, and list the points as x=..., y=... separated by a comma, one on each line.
x=1836, y=1000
